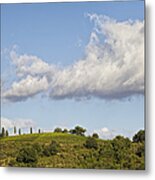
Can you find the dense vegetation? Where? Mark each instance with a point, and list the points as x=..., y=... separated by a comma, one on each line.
x=72, y=149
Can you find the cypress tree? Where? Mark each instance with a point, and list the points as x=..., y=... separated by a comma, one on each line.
x=3, y=132
x=7, y=133
x=15, y=130
x=19, y=131
x=31, y=130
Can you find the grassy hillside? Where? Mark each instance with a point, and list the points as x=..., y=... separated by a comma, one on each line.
x=71, y=152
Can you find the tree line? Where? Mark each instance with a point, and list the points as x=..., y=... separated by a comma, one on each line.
x=138, y=137
x=77, y=131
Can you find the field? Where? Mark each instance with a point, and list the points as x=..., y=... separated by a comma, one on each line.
x=71, y=151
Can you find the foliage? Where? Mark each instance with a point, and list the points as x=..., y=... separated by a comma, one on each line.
x=65, y=130
x=91, y=143
x=58, y=130
x=95, y=135
x=52, y=149
x=7, y=133
x=120, y=145
x=38, y=148
x=31, y=131
x=27, y=155
x=64, y=150
x=139, y=137
x=140, y=151
x=3, y=132
x=14, y=130
x=78, y=131
x=19, y=131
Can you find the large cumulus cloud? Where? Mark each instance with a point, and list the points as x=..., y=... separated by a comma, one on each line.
x=112, y=68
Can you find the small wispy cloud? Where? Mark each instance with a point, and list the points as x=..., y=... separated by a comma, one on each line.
x=112, y=68
x=18, y=123
x=105, y=133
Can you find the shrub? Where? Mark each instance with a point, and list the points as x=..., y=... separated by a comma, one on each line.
x=38, y=148
x=65, y=131
x=27, y=155
x=139, y=137
x=95, y=135
x=78, y=131
x=106, y=150
x=52, y=149
x=58, y=130
x=91, y=143
x=140, y=150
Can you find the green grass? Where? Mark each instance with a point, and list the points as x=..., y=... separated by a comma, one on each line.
x=72, y=153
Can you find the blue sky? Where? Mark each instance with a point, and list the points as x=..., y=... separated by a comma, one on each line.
x=58, y=33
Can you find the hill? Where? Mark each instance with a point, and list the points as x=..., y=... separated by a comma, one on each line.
x=63, y=150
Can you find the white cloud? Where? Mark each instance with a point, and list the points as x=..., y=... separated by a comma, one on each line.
x=27, y=64
x=19, y=123
x=113, y=66
x=25, y=88
x=106, y=133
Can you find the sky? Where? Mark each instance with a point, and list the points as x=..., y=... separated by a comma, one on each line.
x=68, y=64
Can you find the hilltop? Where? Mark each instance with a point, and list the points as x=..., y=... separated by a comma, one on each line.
x=63, y=150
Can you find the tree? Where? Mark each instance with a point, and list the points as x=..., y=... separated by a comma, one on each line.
x=58, y=130
x=3, y=132
x=120, y=143
x=65, y=130
x=139, y=136
x=78, y=131
x=91, y=143
x=19, y=131
x=106, y=150
x=72, y=131
x=7, y=133
x=121, y=147
x=31, y=131
x=95, y=135
x=39, y=131
x=140, y=151
x=27, y=154
x=14, y=130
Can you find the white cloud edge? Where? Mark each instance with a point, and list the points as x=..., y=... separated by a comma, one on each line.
x=107, y=70
x=8, y=123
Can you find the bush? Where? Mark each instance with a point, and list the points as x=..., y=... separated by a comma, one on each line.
x=140, y=151
x=27, y=155
x=106, y=150
x=38, y=148
x=52, y=149
x=95, y=135
x=139, y=137
x=65, y=131
x=91, y=143
x=58, y=130
x=78, y=131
